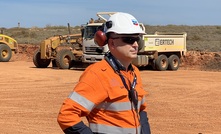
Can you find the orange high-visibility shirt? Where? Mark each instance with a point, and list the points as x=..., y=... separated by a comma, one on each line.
x=101, y=96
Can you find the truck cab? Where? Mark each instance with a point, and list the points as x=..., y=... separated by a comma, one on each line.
x=92, y=52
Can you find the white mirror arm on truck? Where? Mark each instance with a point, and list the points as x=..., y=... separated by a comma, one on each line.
x=102, y=14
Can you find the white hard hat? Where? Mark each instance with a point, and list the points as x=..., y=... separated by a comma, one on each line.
x=123, y=23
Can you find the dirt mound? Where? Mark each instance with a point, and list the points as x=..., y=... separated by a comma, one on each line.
x=202, y=60
x=25, y=53
x=193, y=60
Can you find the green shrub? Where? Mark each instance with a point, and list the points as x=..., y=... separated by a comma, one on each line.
x=200, y=38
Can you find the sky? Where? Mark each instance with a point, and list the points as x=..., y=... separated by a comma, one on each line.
x=42, y=13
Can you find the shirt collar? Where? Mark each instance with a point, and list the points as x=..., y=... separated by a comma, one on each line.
x=115, y=64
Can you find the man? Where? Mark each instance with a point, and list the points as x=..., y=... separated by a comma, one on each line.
x=110, y=92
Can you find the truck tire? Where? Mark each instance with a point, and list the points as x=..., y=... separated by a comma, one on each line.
x=5, y=53
x=38, y=62
x=64, y=59
x=174, y=62
x=161, y=62
x=153, y=64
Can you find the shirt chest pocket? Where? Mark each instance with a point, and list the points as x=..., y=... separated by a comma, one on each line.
x=118, y=93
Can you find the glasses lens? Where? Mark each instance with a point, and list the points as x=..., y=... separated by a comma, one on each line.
x=130, y=40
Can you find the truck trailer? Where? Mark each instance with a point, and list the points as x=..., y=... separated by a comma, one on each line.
x=163, y=51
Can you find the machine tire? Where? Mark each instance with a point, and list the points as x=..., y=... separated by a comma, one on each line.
x=174, y=62
x=5, y=53
x=38, y=62
x=54, y=64
x=161, y=62
x=64, y=59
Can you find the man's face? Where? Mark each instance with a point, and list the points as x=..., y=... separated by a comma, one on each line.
x=125, y=46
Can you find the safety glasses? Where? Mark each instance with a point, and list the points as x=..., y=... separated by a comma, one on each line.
x=128, y=40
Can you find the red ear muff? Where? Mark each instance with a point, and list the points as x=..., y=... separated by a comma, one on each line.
x=100, y=38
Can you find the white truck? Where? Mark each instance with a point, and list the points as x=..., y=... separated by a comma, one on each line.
x=162, y=51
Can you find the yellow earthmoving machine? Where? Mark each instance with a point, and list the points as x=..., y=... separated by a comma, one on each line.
x=8, y=46
x=61, y=50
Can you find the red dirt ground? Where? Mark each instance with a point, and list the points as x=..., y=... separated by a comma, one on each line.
x=186, y=101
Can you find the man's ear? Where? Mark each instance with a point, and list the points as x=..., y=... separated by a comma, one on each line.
x=111, y=43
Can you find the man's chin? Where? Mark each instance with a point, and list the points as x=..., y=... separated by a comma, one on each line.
x=134, y=56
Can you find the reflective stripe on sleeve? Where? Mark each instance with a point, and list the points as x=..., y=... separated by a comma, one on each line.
x=141, y=102
x=100, y=128
x=117, y=106
x=81, y=100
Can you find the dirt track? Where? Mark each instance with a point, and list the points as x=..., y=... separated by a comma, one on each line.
x=183, y=101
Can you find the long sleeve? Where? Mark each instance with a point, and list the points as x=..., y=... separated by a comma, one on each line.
x=81, y=101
